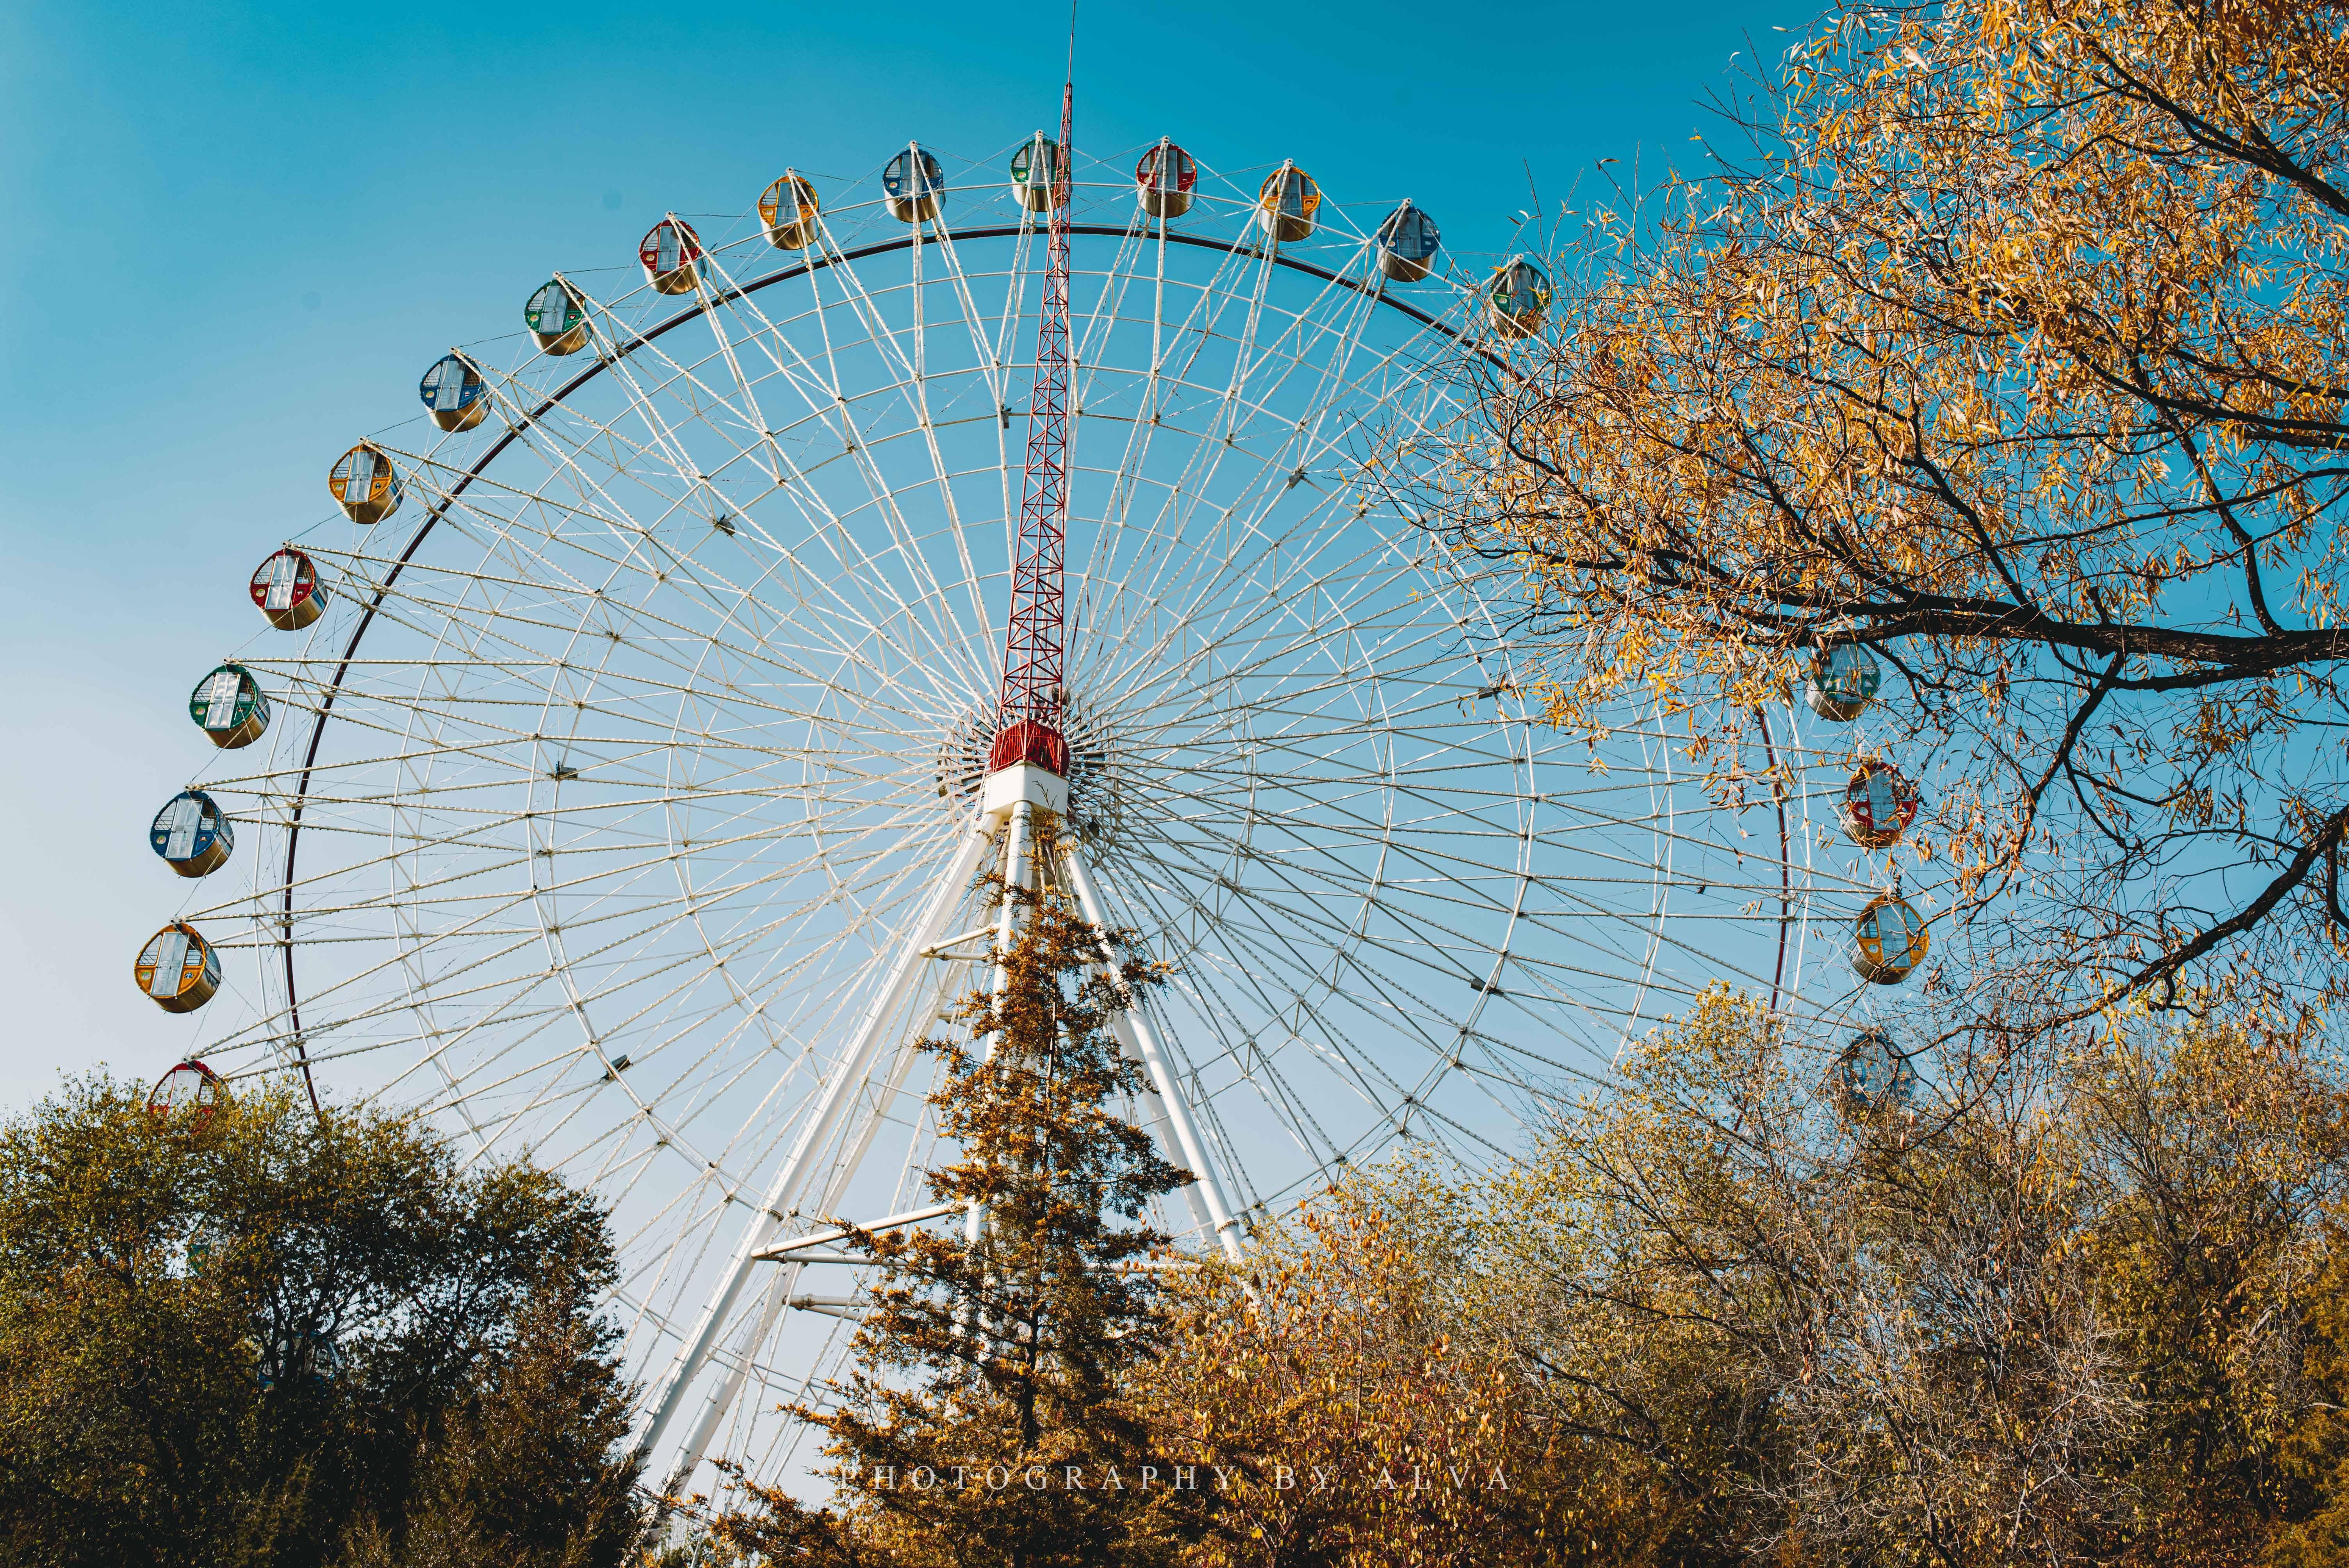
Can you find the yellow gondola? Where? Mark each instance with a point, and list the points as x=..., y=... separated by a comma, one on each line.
x=178, y=968
x=365, y=482
x=1286, y=203
x=787, y=209
x=1890, y=939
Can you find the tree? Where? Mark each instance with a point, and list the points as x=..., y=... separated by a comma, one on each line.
x=259, y=1337
x=2012, y=346
x=1353, y=1427
x=986, y=1419
x=2078, y=1305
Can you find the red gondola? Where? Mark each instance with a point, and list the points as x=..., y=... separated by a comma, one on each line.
x=1166, y=179
x=670, y=252
x=286, y=589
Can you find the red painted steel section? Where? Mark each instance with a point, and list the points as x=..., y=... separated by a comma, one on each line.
x=1029, y=713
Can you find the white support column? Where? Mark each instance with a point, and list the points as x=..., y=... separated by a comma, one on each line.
x=1006, y=930
x=756, y=1328
x=839, y=1095
x=1162, y=1074
x=1161, y=1127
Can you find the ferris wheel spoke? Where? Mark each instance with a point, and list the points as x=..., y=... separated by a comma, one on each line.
x=622, y=777
x=913, y=385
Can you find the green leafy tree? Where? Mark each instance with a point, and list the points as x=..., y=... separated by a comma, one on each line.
x=988, y=1421
x=262, y=1336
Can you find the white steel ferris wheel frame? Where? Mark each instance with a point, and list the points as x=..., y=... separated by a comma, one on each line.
x=917, y=954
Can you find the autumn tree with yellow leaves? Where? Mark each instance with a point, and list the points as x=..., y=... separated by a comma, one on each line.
x=2010, y=341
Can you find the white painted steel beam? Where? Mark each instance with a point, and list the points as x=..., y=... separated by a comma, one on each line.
x=839, y=1096
x=1161, y=1067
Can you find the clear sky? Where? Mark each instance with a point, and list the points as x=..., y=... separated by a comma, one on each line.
x=239, y=231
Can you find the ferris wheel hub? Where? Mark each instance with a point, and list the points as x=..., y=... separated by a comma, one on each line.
x=1031, y=742
x=1005, y=788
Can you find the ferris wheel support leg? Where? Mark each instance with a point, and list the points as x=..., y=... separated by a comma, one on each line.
x=1154, y=1058
x=1015, y=875
x=839, y=1095
x=756, y=1329
x=1162, y=1127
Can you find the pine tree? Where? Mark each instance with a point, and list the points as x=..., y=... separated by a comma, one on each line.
x=985, y=1421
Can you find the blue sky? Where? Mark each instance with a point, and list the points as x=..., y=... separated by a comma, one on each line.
x=239, y=232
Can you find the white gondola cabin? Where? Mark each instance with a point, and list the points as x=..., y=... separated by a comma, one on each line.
x=1871, y=1079
x=178, y=969
x=1516, y=301
x=1879, y=804
x=1406, y=244
x=192, y=1090
x=1035, y=174
x=1840, y=681
x=228, y=705
x=364, y=482
x=557, y=318
x=1286, y=203
x=1888, y=940
x=285, y=588
x=454, y=393
x=787, y=211
x=1166, y=179
x=671, y=254
x=912, y=183
x=191, y=834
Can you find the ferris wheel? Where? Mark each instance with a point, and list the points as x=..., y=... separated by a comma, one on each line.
x=616, y=768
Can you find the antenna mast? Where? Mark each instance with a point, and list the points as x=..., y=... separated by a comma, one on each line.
x=1027, y=723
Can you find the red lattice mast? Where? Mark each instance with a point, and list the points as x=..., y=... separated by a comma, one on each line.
x=1028, y=725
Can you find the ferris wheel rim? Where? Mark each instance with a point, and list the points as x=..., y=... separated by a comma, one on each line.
x=709, y=299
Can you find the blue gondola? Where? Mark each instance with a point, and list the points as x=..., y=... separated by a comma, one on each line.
x=191, y=834
x=912, y=182
x=1872, y=1078
x=454, y=393
x=1407, y=242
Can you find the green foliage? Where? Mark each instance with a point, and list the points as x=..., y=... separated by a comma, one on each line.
x=264, y=1337
x=1011, y=1358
